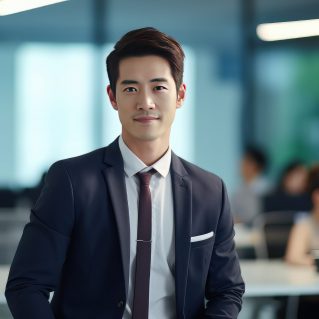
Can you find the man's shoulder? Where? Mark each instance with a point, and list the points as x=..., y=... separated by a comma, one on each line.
x=205, y=184
x=94, y=159
x=81, y=165
x=198, y=173
x=87, y=159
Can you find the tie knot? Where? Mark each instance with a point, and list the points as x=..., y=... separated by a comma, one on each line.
x=145, y=178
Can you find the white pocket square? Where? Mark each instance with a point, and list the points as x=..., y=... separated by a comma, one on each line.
x=202, y=237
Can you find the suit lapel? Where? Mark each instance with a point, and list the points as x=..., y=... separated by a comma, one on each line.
x=115, y=180
x=182, y=198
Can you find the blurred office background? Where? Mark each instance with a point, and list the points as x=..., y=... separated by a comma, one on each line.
x=240, y=90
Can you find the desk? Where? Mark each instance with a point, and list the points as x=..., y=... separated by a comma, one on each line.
x=263, y=278
x=272, y=278
x=246, y=237
x=12, y=223
x=276, y=278
x=4, y=271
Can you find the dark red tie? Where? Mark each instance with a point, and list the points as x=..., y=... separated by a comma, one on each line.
x=143, y=248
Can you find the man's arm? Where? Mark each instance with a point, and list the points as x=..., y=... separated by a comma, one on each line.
x=38, y=261
x=224, y=286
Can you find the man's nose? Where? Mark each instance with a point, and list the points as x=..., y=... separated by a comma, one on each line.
x=145, y=101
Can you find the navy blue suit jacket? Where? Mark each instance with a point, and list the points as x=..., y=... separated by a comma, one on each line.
x=77, y=244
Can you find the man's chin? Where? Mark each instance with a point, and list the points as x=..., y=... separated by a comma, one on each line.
x=148, y=138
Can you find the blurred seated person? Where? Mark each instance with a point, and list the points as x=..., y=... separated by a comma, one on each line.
x=293, y=180
x=304, y=235
x=245, y=201
x=291, y=192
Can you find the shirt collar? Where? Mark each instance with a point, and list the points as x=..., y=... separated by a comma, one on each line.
x=133, y=165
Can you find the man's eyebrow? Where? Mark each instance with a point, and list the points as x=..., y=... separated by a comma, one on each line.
x=159, y=80
x=125, y=82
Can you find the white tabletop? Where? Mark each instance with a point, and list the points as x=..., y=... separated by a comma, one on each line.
x=262, y=277
x=246, y=236
x=276, y=278
x=4, y=271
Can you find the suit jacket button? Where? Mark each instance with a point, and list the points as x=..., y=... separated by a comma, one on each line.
x=120, y=304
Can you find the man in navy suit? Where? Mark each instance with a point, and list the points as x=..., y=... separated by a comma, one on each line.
x=81, y=240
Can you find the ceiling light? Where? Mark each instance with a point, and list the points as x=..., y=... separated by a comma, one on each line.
x=14, y=6
x=288, y=30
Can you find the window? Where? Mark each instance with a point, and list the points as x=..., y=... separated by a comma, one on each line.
x=54, y=96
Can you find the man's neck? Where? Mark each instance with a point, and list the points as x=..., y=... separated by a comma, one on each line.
x=149, y=152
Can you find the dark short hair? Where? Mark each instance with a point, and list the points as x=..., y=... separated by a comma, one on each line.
x=313, y=179
x=257, y=155
x=291, y=166
x=146, y=41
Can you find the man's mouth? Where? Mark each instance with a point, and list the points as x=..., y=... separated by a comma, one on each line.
x=146, y=118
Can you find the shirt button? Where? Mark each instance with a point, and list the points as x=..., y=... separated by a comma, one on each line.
x=120, y=304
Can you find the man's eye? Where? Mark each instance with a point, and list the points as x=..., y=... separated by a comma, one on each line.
x=130, y=89
x=159, y=88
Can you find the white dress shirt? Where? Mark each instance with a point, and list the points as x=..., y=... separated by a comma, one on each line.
x=162, y=303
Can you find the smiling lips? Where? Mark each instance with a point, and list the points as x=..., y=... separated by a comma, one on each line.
x=146, y=118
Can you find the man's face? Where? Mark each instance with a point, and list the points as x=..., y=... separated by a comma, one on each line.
x=146, y=99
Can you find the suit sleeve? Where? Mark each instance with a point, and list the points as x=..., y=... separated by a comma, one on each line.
x=224, y=286
x=40, y=255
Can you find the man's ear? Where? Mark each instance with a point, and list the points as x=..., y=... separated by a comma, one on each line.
x=181, y=95
x=111, y=97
